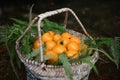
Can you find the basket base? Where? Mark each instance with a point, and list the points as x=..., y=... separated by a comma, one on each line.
x=31, y=76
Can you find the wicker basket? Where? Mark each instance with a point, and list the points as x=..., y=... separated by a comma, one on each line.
x=41, y=71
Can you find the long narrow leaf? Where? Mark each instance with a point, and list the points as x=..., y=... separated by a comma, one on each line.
x=30, y=13
x=34, y=53
x=115, y=50
x=65, y=62
x=92, y=65
x=87, y=60
x=21, y=22
x=104, y=52
x=49, y=25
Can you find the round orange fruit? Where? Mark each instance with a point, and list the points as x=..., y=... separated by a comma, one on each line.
x=63, y=41
x=72, y=54
x=75, y=39
x=46, y=37
x=66, y=35
x=36, y=44
x=51, y=33
x=73, y=46
x=56, y=37
x=50, y=44
x=59, y=49
x=53, y=55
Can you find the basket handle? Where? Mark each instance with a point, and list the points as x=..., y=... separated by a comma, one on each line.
x=51, y=13
x=48, y=14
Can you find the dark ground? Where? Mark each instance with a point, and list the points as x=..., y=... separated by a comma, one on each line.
x=100, y=17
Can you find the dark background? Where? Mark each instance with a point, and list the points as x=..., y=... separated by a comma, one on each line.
x=100, y=18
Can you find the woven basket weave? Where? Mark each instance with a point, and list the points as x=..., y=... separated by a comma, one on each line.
x=41, y=71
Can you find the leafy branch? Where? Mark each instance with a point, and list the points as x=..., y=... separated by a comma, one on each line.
x=113, y=48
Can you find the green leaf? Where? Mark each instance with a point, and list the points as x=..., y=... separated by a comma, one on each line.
x=115, y=50
x=65, y=62
x=30, y=13
x=87, y=60
x=26, y=44
x=18, y=62
x=47, y=57
x=102, y=41
x=36, y=58
x=49, y=25
x=34, y=31
x=3, y=33
x=99, y=42
x=34, y=53
x=21, y=22
x=104, y=52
